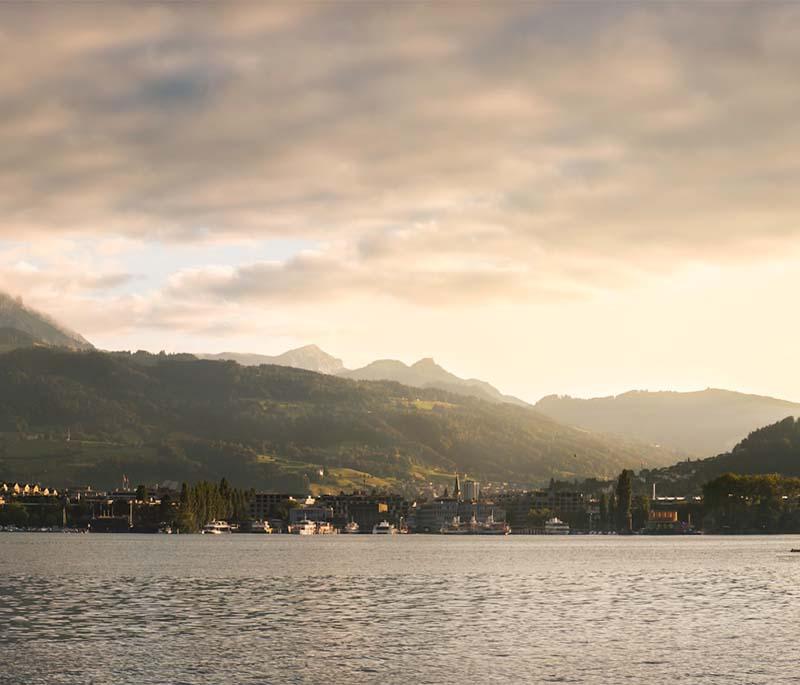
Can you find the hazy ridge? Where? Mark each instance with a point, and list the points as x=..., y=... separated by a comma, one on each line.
x=697, y=424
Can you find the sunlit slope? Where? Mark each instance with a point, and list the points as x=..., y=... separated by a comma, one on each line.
x=174, y=418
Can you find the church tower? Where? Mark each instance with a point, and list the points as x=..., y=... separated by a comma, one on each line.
x=457, y=488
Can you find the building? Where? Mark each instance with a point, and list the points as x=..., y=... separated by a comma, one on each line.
x=472, y=490
x=661, y=522
x=366, y=509
x=562, y=502
x=311, y=512
x=264, y=505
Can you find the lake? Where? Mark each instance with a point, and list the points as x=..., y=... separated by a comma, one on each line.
x=156, y=609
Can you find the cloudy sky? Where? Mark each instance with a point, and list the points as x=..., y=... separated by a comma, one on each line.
x=562, y=197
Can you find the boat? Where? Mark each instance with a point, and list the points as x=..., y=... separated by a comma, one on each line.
x=352, y=528
x=383, y=528
x=216, y=528
x=325, y=528
x=304, y=527
x=555, y=526
x=795, y=550
x=492, y=527
x=260, y=527
x=455, y=527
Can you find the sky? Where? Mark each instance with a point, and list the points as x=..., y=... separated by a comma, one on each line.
x=558, y=197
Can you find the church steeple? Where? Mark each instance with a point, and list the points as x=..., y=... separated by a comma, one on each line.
x=457, y=488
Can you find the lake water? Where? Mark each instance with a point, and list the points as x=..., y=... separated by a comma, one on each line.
x=403, y=609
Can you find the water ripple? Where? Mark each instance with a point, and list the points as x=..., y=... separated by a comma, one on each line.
x=185, y=609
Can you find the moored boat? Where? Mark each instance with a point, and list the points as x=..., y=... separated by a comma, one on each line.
x=261, y=527
x=455, y=527
x=383, y=528
x=492, y=527
x=555, y=526
x=304, y=527
x=216, y=528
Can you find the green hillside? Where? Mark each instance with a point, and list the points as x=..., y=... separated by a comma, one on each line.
x=159, y=418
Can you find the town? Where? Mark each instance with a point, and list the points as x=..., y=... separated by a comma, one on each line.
x=463, y=508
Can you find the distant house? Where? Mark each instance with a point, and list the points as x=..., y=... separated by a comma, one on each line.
x=662, y=521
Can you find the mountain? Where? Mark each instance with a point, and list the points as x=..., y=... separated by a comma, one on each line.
x=88, y=417
x=772, y=449
x=310, y=358
x=426, y=373
x=21, y=326
x=694, y=423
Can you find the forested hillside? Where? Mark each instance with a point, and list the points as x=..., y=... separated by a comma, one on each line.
x=772, y=449
x=87, y=417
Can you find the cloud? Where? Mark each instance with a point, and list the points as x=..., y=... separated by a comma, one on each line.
x=524, y=151
x=319, y=278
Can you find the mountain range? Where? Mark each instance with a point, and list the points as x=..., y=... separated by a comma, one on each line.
x=74, y=417
x=310, y=358
x=426, y=373
x=697, y=424
x=693, y=424
x=423, y=374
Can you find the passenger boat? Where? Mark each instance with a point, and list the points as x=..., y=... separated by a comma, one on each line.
x=555, y=526
x=383, y=528
x=325, y=528
x=260, y=527
x=216, y=528
x=492, y=527
x=352, y=528
x=304, y=527
x=455, y=527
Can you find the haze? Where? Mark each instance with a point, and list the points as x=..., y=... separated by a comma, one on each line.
x=566, y=197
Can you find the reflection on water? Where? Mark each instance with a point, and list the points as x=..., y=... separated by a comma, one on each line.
x=360, y=609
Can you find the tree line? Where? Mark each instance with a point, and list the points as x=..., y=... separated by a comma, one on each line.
x=205, y=501
x=752, y=503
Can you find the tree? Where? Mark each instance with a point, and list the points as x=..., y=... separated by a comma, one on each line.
x=141, y=493
x=538, y=517
x=640, y=511
x=624, y=492
x=603, y=512
x=14, y=514
x=612, y=513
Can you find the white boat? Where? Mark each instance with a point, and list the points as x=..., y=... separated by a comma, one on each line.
x=555, y=526
x=383, y=528
x=304, y=527
x=325, y=528
x=216, y=528
x=260, y=527
x=351, y=528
